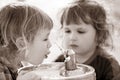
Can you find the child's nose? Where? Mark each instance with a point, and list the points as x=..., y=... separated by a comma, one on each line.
x=49, y=44
x=73, y=37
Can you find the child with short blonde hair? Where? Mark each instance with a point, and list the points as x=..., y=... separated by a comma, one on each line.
x=24, y=32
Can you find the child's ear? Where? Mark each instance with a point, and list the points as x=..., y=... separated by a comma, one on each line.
x=20, y=43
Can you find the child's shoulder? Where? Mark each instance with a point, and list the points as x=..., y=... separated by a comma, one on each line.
x=111, y=59
x=3, y=66
x=6, y=71
x=3, y=70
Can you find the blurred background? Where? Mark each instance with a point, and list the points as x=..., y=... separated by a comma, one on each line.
x=53, y=8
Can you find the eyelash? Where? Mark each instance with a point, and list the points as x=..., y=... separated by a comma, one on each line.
x=68, y=31
x=81, y=32
x=45, y=39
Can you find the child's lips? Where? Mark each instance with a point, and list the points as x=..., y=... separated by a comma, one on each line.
x=73, y=45
x=47, y=54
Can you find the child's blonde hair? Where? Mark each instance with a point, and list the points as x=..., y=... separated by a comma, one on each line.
x=21, y=20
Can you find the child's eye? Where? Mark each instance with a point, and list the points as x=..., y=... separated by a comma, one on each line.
x=67, y=31
x=81, y=32
x=45, y=39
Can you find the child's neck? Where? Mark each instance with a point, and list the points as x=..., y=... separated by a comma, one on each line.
x=83, y=58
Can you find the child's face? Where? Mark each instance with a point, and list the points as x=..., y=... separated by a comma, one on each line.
x=39, y=48
x=81, y=38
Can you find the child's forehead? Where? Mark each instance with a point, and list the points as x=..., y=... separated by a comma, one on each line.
x=78, y=22
x=77, y=18
x=81, y=25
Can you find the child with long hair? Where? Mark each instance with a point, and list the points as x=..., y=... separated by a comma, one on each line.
x=85, y=31
x=24, y=32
